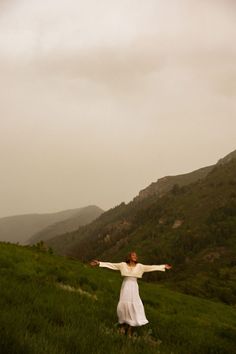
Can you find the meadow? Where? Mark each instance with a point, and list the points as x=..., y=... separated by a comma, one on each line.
x=52, y=304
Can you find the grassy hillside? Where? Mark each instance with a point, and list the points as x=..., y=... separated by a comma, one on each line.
x=193, y=227
x=55, y=305
x=81, y=217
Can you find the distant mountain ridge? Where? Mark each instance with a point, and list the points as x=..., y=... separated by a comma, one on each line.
x=231, y=156
x=82, y=217
x=117, y=218
x=19, y=228
x=165, y=184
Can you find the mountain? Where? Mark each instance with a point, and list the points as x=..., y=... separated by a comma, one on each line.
x=165, y=184
x=192, y=227
x=82, y=217
x=63, y=306
x=231, y=156
x=19, y=228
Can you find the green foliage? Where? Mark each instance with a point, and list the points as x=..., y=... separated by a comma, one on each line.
x=193, y=227
x=56, y=305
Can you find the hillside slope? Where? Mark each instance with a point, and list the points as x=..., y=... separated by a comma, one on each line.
x=19, y=228
x=82, y=217
x=62, y=306
x=193, y=227
x=165, y=184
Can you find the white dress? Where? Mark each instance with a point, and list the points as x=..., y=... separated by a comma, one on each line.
x=130, y=307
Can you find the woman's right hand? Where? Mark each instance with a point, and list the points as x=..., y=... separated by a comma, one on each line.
x=94, y=262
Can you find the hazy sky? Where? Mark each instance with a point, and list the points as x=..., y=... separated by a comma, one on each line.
x=101, y=98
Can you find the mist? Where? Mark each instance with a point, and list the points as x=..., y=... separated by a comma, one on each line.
x=99, y=99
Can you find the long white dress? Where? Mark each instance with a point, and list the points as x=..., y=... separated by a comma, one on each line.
x=130, y=307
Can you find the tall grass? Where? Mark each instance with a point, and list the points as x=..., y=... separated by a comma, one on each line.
x=39, y=314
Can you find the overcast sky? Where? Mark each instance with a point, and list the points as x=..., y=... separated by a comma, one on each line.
x=101, y=98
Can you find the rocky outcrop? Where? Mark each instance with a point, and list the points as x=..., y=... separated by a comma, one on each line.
x=165, y=184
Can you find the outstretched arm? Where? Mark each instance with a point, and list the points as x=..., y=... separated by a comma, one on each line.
x=151, y=268
x=113, y=266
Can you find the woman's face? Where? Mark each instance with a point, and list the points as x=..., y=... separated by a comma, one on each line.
x=133, y=257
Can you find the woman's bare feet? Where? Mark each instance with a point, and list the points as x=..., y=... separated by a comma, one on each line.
x=122, y=329
x=129, y=332
x=125, y=328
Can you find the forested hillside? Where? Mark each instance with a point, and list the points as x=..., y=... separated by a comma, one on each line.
x=29, y=228
x=82, y=217
x=192, y=227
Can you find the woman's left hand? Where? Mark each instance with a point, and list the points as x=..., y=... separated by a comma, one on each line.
x=168, y=266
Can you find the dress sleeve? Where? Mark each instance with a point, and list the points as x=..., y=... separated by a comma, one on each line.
x=114, y=266
x=151, y=268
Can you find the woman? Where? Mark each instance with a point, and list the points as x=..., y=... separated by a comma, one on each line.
x=130, y=310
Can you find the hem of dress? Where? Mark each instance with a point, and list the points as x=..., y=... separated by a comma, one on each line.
x=134, y=324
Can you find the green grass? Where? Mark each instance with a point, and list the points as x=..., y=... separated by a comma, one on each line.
x=38, y=316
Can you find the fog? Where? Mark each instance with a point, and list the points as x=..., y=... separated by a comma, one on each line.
x=101, y=98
